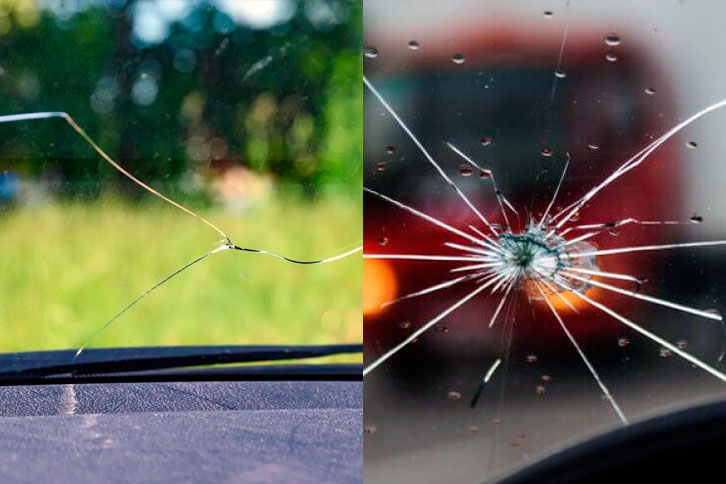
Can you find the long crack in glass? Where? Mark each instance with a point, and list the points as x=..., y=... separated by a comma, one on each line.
x=225, y=244
x=544, y=258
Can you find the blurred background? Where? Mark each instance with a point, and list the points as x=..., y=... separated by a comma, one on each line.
x=518, y=87
x=246, y=112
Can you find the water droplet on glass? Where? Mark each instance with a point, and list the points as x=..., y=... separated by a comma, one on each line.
x=692, y=144
x=641, y=279
x=696, y=219
x=649, y=91
x=404, y=324
x=454, y=396
x=458, y=58
x=531, y=358
x=442, y=329
x=665, y=353
x=540, y=389
x=390, y=149
x=413, y=45
x=382, y=166
x=465, y=170
x=610, y=57
x=593, y=146
x=575, y=217
x=614, y=232
x=370, y=52
x=474, y=429
x=623, y=341
x=495, y=421
x=484, y=175
x=560, y=74
x=485, y=141
x=612, y=40
x=545, y=378
x=547, y=14
x=369, y=429
x=682, y=344
x=383, y=241
x=546, y=151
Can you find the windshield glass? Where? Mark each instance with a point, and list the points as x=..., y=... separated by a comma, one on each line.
x=139, y=136
x=543, y=227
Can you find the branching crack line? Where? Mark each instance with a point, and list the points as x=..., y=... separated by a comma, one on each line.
x=542, y=259
x=227, y=243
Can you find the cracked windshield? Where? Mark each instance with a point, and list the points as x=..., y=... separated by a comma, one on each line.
x=180, y=173
x=544, y=233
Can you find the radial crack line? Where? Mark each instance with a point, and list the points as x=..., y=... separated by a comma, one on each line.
x=611, y=275
x=431, y=219
x=428, y=156
x=557, y=191
x=487, y=376
x=500, y=305
x=425, y=327
x=466, y=248
x=477, y=266
x=585, y=359
x=610, y=225
x=639, y=248
x=652, y=336
x=421, y=257
x=428, y=290
x=639, y=158
x=542, y=277
x=497, y=193
x=650, y=299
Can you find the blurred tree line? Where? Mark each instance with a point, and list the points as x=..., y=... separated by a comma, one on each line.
x=211, y=93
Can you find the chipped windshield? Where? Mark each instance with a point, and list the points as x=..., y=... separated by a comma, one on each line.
x=543, y=250
x=179, y=172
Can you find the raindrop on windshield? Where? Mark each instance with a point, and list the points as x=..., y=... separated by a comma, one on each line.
x=665, y=353
x=370, y=52
x=458, y=58
x=454, y=396
x=612, y=40
x=465, y=170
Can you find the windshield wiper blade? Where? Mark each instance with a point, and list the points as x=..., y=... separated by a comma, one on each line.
x=106, y=361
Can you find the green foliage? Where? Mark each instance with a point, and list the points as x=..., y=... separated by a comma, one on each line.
x=66, y=268
x=284, y=101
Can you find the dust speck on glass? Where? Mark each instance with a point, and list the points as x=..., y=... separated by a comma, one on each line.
x=579, y=275
x=182, y=169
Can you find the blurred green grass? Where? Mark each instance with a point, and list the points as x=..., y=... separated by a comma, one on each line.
x=66, y=268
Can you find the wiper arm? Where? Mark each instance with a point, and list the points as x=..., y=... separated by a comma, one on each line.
x=108, y=361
